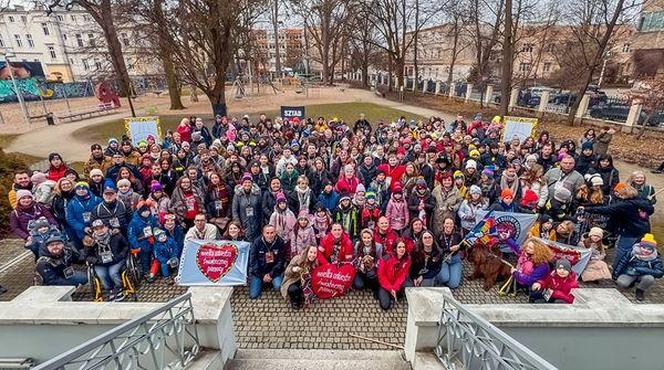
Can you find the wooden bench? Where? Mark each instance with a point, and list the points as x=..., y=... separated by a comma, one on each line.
x=97, y=110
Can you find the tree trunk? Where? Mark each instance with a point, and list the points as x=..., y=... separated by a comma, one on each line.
x=506, y=78
x=597, y=59
x=416, y=67
x=172, y=82
x=277, y=55
x=115, y=51
x=217, y=96
x=455, y=46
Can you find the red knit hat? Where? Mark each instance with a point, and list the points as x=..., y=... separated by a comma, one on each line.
x=529, y=199
x=506, y=193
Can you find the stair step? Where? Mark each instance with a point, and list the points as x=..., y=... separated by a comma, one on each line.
x=315, y=364
x=266, y=359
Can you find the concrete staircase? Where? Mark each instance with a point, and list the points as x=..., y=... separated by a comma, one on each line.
x=252, y=359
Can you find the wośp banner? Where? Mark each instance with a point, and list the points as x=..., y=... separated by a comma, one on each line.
x=332, y=280
x=578, y=257
x=289, y=113
x=495, y=228
x=213, y=263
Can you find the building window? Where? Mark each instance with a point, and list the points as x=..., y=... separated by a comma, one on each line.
x=524, y=67
x=19, y=43
x=45, y=29
x=626, y=48
x=24, y=19
x=527, y=48
x=31, y=42
x=130, y=66
x=86, y=65
x=97, y=64
x=64, y=36
x=125, y=39
x=73, y=18
x=550, y=48
x=51, y=50
x=652, y=21
x=79, y=40
x=86, y=18
x=547, y=67
x=91, y=39
x=11, y=19
x=61, y=18
x=2, y=43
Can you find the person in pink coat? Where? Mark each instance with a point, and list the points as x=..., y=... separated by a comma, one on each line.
x=397, y=210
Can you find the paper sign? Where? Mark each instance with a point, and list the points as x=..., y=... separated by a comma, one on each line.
x=139, y=128
x=214, y=263
x=520, y=127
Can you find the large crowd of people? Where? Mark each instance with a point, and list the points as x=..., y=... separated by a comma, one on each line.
x=395, y=200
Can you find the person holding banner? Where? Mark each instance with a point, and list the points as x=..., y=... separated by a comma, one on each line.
x=266, y=262
x=297, y=278
x=533, y=263
x=335, y=247
x=392, y=275
x=202, y=230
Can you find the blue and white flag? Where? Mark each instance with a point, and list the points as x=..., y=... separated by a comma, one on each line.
x=213, y=263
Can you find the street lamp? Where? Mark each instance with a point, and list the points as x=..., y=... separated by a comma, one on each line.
x=8, y=54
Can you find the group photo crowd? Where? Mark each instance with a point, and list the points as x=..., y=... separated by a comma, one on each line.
x=394, y=200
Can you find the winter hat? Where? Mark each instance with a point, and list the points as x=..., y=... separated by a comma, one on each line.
x=398, y=188
x=95, y=172
x=294, y=143
x=474, y=153
x=23, y=193
x=459, y=175
x=421, y=183
x=360, y=189
x=506, y=193
x=531, y=157
x=596, y=231
x=587, y=146
x=155, y=186
x=142, y=206
x=112, y=140
x=142, y=144
x=343, y=197
x=471, y=164
x=52, y=156
x=648, y=240
x=37, y=178
x=488, y=172
x=529, y=199
x=39, y=223
x=474, y=189
x=562, y=194
x=564, y=264
x=348, y=169
x=596, y=180
x=158, y=232
x=124, y=182
x=55, y=238
x=83, y=185
x=280, y=198
x=247, y=177
x=370, y=194
x=230, y=148
x=109, y=187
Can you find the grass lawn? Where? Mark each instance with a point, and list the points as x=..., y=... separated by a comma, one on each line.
x=348, y=111
x=5, y=140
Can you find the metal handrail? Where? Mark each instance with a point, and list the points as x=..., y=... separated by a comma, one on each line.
x=123, y=346
x=468, y=341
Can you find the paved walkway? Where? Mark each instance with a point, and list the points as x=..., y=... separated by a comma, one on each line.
x=42, y=141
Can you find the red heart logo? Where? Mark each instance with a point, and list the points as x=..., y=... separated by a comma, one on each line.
x=332, y=280
x=215, y=261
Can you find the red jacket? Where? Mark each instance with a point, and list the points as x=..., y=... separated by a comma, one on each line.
x=56, y=174
x=387, y=240
x=392, y=172
x=561, y=287
x=345, y=250
x=392, y=272
x=345, y=185
x=185, y=133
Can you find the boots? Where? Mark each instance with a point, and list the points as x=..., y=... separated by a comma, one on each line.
x=640, y=294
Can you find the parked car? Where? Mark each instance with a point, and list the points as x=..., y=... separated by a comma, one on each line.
x=619, y=111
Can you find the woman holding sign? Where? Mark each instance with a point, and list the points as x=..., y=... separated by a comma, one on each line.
x=392, y=274
x=297, y=278
x=335, y=247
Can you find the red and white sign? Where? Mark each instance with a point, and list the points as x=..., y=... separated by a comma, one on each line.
x=332, y=280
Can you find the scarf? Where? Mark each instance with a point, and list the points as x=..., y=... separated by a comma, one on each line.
x=509, y=182
x=303, y=197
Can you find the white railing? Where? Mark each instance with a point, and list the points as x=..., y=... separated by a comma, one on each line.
x=467, y=341
x=165, y=338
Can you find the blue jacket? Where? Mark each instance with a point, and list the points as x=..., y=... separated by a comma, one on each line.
x=177, y=236
x=632, y=266
x=80, y=213
x=329, y=201
x=258, y=260
x=166, y=250
x=137, y=231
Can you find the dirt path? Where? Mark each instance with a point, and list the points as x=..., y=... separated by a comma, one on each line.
x=42, y=141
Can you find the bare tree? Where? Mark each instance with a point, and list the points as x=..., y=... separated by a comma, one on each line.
x=102, y=11
x=649, y=92
x=362, y=40
x=204, y=46
x=274, y=15
x=326, y=22
x=485, y=21
x=593, y=24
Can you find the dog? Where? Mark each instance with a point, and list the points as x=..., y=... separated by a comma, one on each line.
x=487, y=265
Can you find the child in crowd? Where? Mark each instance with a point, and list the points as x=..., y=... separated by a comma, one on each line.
x=556, y=287
x=397, y=210
x=167, y=253
x=596, y=269
x=533, y=263
x=40, y=232
x=640, y=267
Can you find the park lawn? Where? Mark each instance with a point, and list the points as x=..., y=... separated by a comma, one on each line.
x=5, y=140
x=348, y=111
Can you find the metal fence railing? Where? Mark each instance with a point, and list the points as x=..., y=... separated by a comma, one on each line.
x=468, y=341
x=614, y=109
x=164, y=338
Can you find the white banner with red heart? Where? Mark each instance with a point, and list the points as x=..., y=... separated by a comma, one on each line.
x=214, y=263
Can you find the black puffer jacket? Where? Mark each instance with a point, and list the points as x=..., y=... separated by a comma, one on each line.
x=631, y=216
